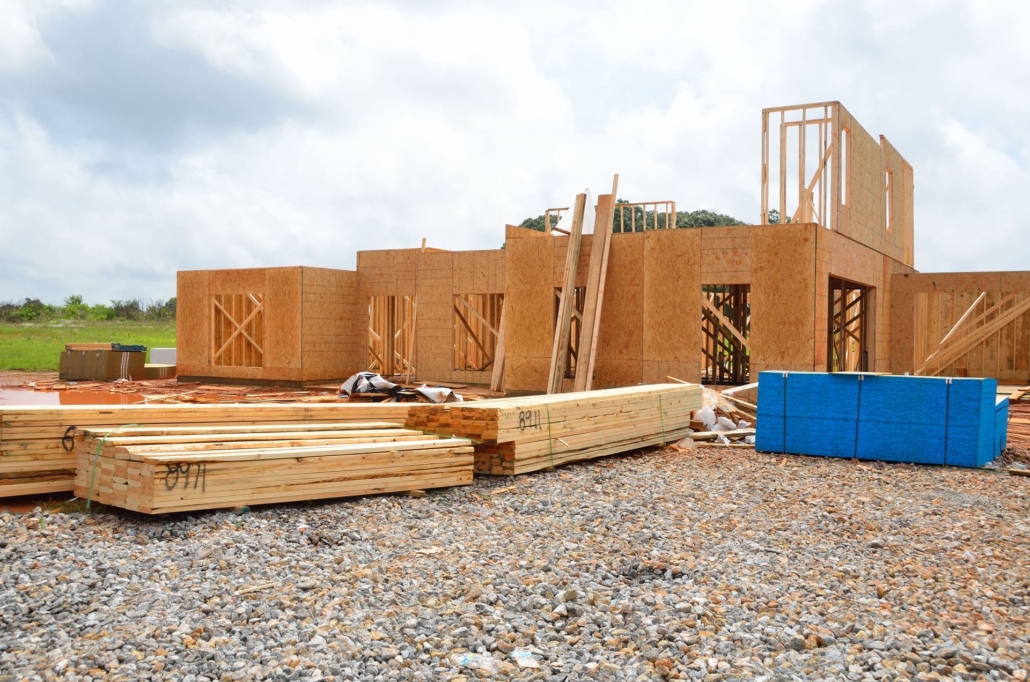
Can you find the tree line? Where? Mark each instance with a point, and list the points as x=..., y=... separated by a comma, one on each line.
x=645, y=220
x=75, y=308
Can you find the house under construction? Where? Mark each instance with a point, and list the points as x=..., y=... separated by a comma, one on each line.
x=829, y=287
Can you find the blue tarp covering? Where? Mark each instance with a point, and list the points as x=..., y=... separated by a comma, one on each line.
x=924, y=420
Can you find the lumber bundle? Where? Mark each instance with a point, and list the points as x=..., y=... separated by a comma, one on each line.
x=1019, y=423
x=519, y=435
x=37, y=448
x=163, y=470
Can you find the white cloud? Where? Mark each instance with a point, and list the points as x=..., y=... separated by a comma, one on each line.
x=448, y=121
x=21, y=24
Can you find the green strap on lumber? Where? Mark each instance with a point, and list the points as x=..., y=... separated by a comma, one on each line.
x=550, y=439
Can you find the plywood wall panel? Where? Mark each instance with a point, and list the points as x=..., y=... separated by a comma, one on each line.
x=621, y=335
x=725, y=254
x=782, y=303
x=333, y=337
x=283, y=318
x=862, y=217
x=193, y=318
x=387, y=273
x=242, y=281
x=529, y=309
x=438, y=273
x=672, y=306
x=561, y=246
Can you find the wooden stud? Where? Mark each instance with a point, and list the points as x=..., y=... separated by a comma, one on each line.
x=600, y=247
x=556, y=372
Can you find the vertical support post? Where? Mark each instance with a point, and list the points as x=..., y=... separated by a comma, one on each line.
x=765, y=168
x=802, y=184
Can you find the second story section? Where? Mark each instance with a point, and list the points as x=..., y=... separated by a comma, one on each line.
x=819, y=165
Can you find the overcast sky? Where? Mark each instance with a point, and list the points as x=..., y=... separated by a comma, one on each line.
x=141, y=138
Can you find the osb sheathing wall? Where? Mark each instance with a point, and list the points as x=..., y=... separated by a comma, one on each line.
x=310, y=323
x=783, y=306
x=434, y=277
x=862, y=212
x=332, y=324
x=650, y=322
x=926, y=306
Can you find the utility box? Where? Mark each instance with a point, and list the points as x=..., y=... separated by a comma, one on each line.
x=162, y=356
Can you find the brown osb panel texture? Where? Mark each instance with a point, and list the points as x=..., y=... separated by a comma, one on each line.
x=387, y=273
x=193, y=318
x=561, y=247
x=783, y=297
x=899, y=240
x=333, y=334
x=864, y=215
x=478, y=272
x=620, y=345
x=434, y=337
x=282, y=321
x=725, y=254
x=861, y=214
x=672, y=306
x=529, y=309
x=243, y=281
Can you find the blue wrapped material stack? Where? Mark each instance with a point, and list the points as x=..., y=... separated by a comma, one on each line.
x=923, y=420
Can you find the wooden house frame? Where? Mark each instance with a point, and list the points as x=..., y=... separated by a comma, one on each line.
x=833, y=288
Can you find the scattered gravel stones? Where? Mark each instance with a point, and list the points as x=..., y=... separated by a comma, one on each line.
x=706, y=565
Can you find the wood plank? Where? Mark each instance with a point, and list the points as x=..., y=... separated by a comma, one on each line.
x=563, y=327
x=597, y=276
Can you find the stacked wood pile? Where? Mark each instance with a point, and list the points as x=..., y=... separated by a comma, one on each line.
x=1019, y=418
x=161, y=470
x=37, y=447
x=519, y=435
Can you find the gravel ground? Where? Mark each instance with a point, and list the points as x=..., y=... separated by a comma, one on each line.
x=710, y=564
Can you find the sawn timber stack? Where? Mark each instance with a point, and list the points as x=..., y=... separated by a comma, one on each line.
x=519, y=435
x=185, y=469
x=36, y=457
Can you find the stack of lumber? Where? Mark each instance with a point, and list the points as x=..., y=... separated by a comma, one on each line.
x=922, y=420
x=519, y=435
x=159, y=470
x=37, y=450
x=1019, y=420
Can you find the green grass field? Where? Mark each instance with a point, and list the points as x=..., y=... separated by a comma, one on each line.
x=37, y=347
